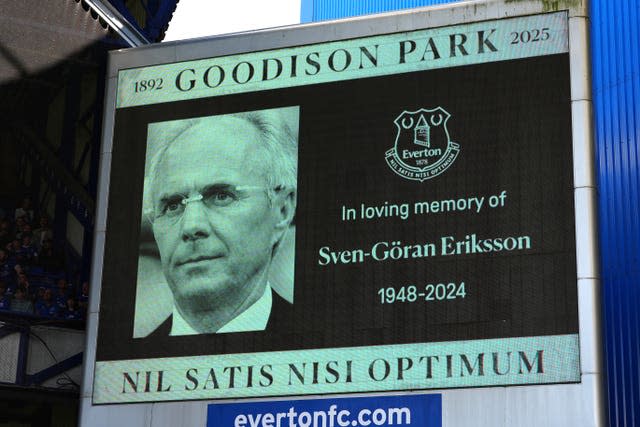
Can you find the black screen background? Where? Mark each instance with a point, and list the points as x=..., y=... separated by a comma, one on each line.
x=513, y=122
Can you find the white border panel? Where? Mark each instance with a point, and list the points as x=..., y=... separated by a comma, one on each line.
x=558, y=405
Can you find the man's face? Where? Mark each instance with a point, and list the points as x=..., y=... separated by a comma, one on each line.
x=215, y=256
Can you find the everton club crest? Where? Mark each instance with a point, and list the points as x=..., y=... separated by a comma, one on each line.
x=423, y=147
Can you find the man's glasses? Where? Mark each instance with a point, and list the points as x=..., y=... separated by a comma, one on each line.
x=171, y=208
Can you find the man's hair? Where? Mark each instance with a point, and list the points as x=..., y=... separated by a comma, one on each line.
x=279, y=145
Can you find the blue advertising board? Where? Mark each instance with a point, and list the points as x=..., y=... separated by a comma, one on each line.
x=424, y=410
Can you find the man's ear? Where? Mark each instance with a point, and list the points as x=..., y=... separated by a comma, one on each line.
x=285, y=210
x=286, y=205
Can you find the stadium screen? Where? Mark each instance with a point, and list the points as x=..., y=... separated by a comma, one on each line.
x=392, y=212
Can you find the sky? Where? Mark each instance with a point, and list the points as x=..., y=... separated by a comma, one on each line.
x=200, y=18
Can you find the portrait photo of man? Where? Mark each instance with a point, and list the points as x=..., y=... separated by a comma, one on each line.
x=219, y=201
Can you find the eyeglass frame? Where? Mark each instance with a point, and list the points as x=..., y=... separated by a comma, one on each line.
x=153, y=218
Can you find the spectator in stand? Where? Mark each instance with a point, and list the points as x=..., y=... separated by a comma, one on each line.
x=72, y=312
x=13, y=250
x=83, y=297
x=5, y=299
x=25, y=210
x=21, y=303
x=6, y=232
x=62, y=294
x=39, y=296
x=63, y=285
x=47, y=307
x=42, y=233
x=10, y=247
x=48, y=258
x=21, y=228
x=23, y=283
x=26, y=231
x=7, y=267
x=28, y=251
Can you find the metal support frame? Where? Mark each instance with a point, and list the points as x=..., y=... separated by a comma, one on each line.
x=158, y=18
x=24, y=379
x=23, y=356
x=67, y=147
x=120, y=24
x=6, y=330
x=157, y=15
x=57, y=175
x=54, y=370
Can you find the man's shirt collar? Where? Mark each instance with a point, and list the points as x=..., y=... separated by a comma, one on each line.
x=254, y=318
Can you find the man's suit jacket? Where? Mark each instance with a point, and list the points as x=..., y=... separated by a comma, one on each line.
x=278, y=318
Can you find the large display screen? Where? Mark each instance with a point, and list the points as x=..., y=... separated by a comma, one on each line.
x=386, y=213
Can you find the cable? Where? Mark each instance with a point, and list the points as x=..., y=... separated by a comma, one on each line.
x=70, y=382
x=63, y=383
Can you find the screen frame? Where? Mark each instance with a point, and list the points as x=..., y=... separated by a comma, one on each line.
x=584, y=182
